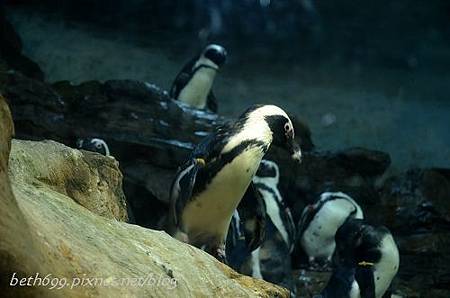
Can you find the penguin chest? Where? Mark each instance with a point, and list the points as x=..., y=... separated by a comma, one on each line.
x=210, y=212
x=274, y=212
x=387, y=266
x=318, y=238
x=197, y=89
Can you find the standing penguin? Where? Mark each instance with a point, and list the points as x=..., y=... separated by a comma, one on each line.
x=194, y=82
x=94, y=145
x=368, y=260
x=266, y=181
x=210, y=185
x=271, y=261
x=319, y=223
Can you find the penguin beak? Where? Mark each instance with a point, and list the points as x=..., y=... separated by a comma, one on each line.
x=296, y=152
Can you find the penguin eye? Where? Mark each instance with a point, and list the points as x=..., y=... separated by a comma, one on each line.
x=98, y=146
x=288, y=130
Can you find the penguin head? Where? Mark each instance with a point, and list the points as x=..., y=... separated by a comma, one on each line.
x=94, y=145
x=217, y=54
x=272, y=125
x=282, y=131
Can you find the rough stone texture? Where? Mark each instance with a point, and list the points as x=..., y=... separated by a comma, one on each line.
x=45, y=231
x=417, y=200
x=90, y=179
x=18, y=253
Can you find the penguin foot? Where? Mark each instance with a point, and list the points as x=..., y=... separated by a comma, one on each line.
x=219, y=254
x=320, y=267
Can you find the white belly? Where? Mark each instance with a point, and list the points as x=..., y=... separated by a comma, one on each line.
x=273, y=210
x=209, y=214
x=387, y=267
x=196, y=91
x=256, y=264
x=318, y=239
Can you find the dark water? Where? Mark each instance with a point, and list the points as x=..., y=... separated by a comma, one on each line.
x=390, y=92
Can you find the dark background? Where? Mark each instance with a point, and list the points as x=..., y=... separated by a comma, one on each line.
x=369, y=73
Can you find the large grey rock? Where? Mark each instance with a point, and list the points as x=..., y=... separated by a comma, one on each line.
x=90, y=179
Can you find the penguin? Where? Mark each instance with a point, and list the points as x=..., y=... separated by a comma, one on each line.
x=319, y=223
x=94, y=145
x=367, y=261
x=266, y=182
x=194, y=82
x=217, y=177
x=271, y=260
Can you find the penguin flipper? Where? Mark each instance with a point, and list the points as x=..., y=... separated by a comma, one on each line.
x=182, y=186
x=252, y=211
x=182, y=78
x=211, y=102
x=307, y=216
x=290, y=227
x=180, y=81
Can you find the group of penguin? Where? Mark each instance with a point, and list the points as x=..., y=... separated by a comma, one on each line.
x=225, y=200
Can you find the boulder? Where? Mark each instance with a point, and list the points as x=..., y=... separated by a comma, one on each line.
x=47, y=234
x=88, y=178
x=417, y=200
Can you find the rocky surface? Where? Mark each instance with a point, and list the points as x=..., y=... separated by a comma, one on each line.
x=90, y=179
x=45, y=230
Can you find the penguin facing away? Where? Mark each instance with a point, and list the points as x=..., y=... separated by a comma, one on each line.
x=94, y=145
x=210, y=185
x=194, y=82
x=271, y=260
x=266, y=181
x=319, y=223
x=368, y=260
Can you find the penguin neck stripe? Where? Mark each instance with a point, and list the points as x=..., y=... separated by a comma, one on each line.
x=213, y=167
x=205, y=66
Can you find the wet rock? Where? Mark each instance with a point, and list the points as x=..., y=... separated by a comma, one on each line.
x=45, y=231
x=367, y=163
x=92, y=180
x=38, y=111
x=416, y=200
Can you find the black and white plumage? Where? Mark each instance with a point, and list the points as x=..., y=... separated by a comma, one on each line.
x=320, y=221
x=210, y=185
x=94, y=145
x=271, y=261
x=368, y=260
x=194, y=82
